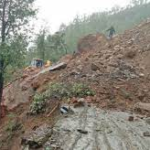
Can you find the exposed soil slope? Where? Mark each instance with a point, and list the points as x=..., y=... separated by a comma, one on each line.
x=117, y=70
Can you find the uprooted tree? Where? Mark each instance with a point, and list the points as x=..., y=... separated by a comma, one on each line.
x=14, y=15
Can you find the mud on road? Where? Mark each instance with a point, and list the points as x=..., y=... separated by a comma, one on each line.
x=100, y=130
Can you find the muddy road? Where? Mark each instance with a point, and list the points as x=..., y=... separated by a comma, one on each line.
x=92, y=129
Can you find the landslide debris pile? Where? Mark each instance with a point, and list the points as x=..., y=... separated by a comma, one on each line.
x=117, y=69
x=128, y=51
x=116, y=73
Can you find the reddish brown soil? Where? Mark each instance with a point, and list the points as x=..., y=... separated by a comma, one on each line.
x=118, y=70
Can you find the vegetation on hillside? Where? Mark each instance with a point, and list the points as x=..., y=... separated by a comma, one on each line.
x=59, y=91
x=14, y=15
x=48, y=46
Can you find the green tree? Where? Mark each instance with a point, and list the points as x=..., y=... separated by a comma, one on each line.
x=18, y=48
x=59, y=42
x=14, y=14
x=40, y=44
x=50, y=47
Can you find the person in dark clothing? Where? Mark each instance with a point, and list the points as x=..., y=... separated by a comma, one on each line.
x=111, y=32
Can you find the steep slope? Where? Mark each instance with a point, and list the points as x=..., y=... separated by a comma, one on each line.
x=116, y=70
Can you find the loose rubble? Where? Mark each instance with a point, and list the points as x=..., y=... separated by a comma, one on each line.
x=37, y=138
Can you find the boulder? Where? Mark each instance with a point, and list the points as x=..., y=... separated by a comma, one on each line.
x=142, y=106
x=36, y=139
x=94, y=67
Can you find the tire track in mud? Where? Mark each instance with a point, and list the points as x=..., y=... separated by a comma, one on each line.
x=124, y=136
x=107, y=130
x=95, y=134
x=104, y=126
x=84, y=148
x=76, y=137
x=133, y=132
x=129, y=133
x=82, y=125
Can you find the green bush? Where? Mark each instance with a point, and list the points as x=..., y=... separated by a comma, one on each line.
x=59, y=91
x=81, y=90
x=38, y=104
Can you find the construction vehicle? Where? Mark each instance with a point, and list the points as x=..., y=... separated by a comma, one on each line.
x=48, y=63
x=36, y=62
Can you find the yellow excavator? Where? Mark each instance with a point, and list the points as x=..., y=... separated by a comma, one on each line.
x=48, y=63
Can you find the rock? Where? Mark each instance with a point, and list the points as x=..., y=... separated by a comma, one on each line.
x=107, y=56
x=80, y=67
x=74, y=100
x=147, y=121
x=109, y=131
x=24, y=88
x=131, y=118
x=47, y=148
x=74, y=72
x=89, y=99
x=141, y=75
x=130, y=54
x=82, y=131
x=25, y=147
x=142, y=106
x=80, y=103
x=146, y=134
x=35, y=85
x=45, y=81
x=141, y=95
x=81, y=100
x=94, y=67
x=37, y=138
x=24, y=76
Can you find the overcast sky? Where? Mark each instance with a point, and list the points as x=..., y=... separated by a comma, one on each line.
x=54, y=12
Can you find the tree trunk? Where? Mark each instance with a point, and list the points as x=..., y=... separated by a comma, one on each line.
x=1, y=82
x=1, y=85
x=3, y=36
x=3, y=28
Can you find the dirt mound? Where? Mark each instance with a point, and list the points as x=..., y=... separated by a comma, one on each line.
x=117, y=69
x=91, y=41
x=22, y=89
x=132, y=47
x=114, y=68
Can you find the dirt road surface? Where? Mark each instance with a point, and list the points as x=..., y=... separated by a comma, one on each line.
x=101, y=130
